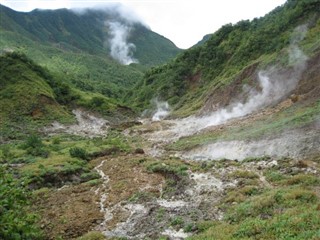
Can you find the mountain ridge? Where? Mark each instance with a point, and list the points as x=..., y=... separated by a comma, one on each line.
x=88, y=31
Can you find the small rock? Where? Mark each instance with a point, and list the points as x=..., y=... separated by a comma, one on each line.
x=139, y=151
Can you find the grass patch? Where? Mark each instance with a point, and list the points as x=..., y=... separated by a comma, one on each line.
x=68, y=158
x=282, y=213
x=92, y=236
x=141, y=196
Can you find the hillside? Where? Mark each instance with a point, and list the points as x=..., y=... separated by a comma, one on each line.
x=32, y=98
x=81, y=46
x=89, y=31
x=235, y=53
x=27, y=97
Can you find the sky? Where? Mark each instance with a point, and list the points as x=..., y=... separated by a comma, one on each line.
x=184, y=22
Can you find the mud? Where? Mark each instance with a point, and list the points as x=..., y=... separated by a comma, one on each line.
x=68, y=212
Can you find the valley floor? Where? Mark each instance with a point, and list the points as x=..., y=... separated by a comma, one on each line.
x=251, y=178
x=154, y=191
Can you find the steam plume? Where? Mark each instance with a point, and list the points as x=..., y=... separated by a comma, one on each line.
x=163, y=110
x=120, y=49
x=274, y=85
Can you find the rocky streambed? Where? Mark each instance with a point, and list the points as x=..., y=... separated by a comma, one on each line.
x=150, y=205
x=169, y=207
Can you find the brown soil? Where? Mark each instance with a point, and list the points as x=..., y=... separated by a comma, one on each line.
x=309, y=84
x=73, y=211
x=222, y=95
x=69, y=212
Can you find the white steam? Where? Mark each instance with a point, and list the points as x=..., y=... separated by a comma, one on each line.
x=120, y=49
x=274, y=85
x=289, y=144
x=162, y=111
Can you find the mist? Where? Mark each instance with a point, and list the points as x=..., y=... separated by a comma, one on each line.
x=274, y=84
x=120, y=49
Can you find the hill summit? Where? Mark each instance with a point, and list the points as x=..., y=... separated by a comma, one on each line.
x=104, y=32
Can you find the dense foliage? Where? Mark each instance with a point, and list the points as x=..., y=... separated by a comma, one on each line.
x=15, y=220
x=62, y=91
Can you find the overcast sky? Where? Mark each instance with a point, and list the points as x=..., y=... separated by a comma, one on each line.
x=184, y=22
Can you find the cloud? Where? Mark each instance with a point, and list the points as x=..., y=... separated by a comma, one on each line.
x=126, y=13
x=183, y=22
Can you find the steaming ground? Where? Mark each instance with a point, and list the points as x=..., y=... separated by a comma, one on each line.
x=87, y=125
x=163, y=110
x=275, y=84
x=290, y=144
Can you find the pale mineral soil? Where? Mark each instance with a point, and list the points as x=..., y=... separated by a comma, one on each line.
x=162, y=194
x=182, y=175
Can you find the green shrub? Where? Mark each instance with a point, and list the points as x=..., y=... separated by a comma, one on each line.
x=77, y=152
x=176, y=221
x=33, y=141
x=158, y=167
x=274, y=176
x=56, y=140
x=302, y=179
x=189, y=227
x=34, y=146
x=96, y=102
x=85, y=177
x=93, y=182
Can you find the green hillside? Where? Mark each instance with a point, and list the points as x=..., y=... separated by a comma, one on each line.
x=77, y=47
x=203, y=71
x=87, y=31
x=29, y=96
